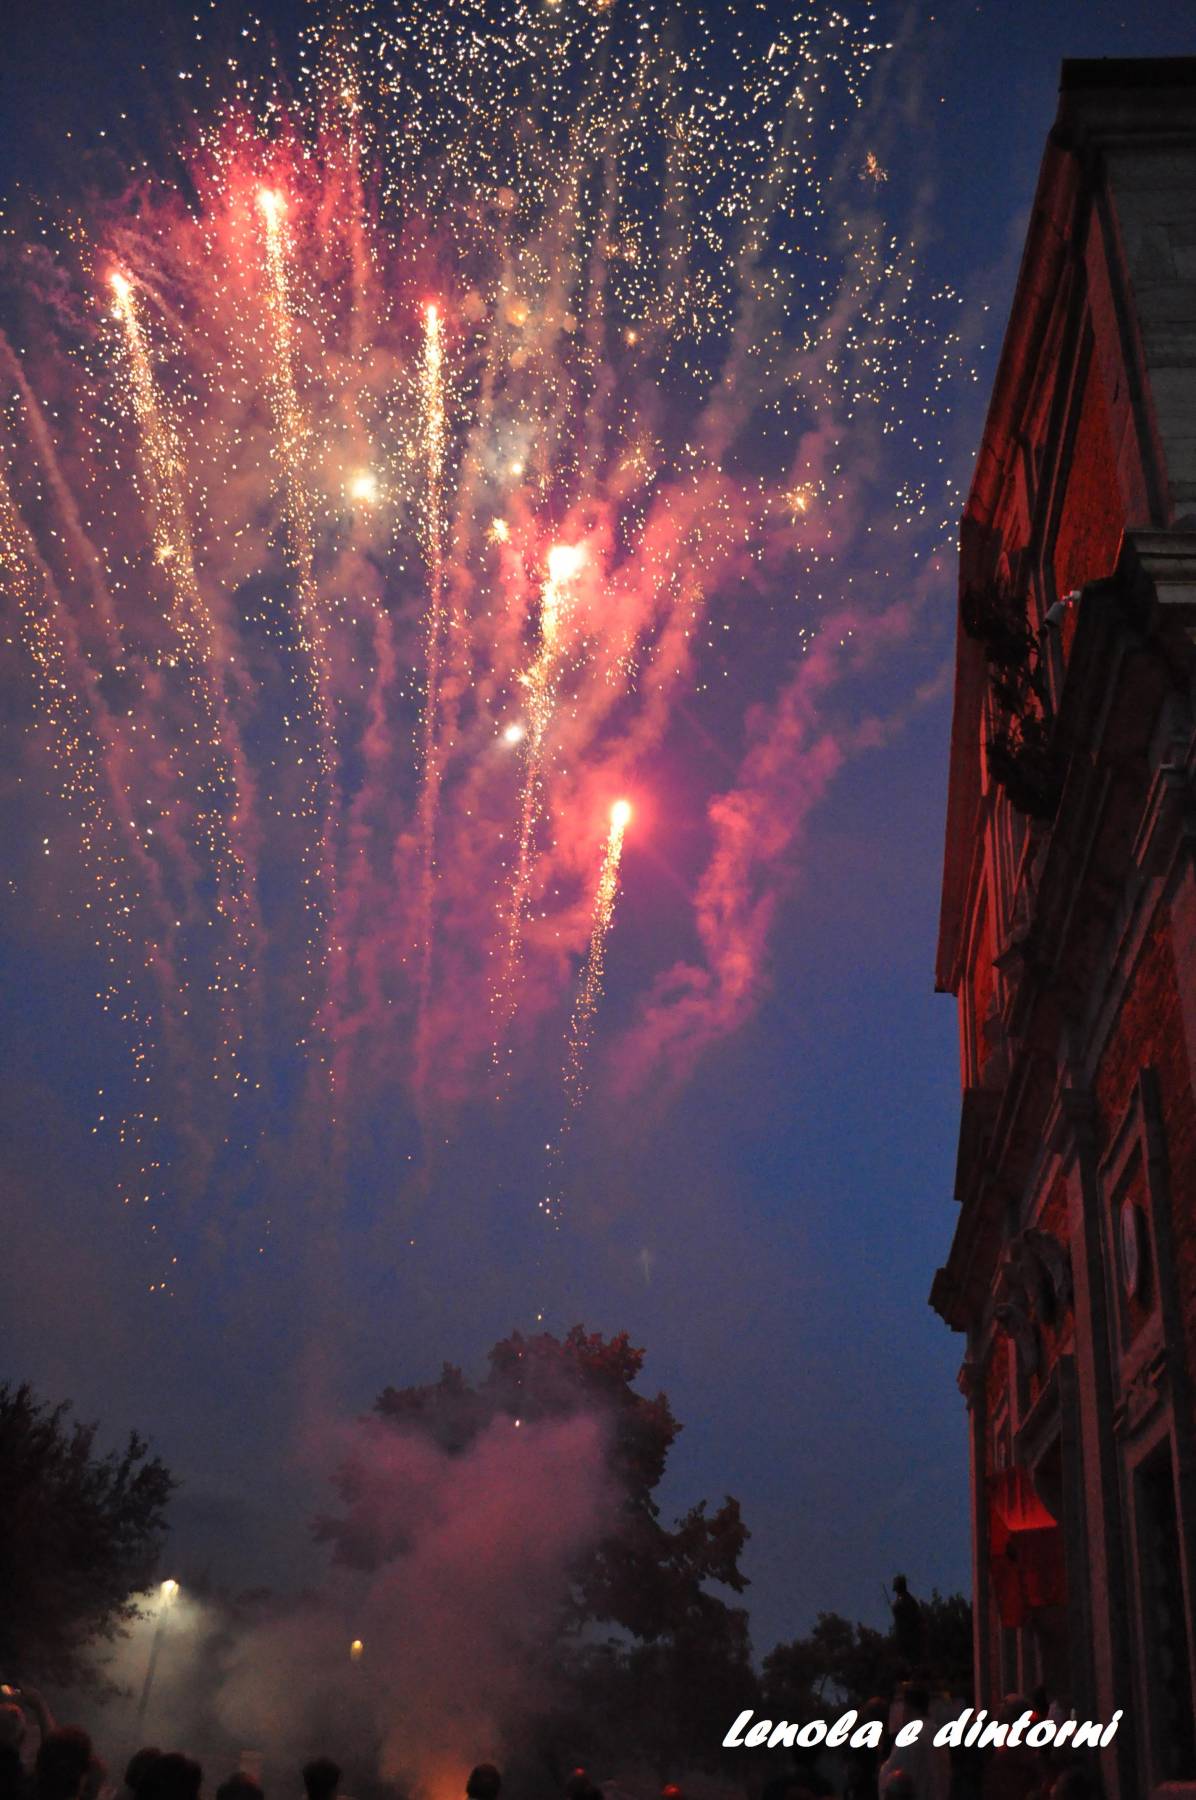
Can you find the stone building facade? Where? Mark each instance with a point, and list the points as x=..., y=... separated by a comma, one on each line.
x=1068, y=935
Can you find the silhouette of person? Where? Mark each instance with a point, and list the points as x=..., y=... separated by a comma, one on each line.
x=908, y=1626
x=485, y=1783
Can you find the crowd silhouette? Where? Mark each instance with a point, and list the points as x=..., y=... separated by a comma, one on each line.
x=59, y=1762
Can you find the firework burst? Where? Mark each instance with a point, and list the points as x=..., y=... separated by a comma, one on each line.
x=368, y=602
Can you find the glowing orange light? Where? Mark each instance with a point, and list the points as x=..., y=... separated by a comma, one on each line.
x=565, y=561
x=364, y=487
x=272, y=204
x=620, y=814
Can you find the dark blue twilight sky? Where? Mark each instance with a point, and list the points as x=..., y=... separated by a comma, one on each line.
x=772, y=1240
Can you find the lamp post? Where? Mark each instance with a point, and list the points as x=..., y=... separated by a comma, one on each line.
x=167, y=1595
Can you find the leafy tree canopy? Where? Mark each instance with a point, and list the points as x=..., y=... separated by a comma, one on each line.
x=839, y=1663
x=643, y=1577
x=79, y=1537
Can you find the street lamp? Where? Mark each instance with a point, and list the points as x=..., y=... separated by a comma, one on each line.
x=167, y=1595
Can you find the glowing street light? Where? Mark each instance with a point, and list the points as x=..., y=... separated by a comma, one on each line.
x=168, y=1593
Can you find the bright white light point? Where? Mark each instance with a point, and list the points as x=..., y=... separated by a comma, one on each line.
x=513, y=734
x=356, y=1648
x=169, y=1589
x=517, y=468
x=620, y=813
x=432, y=313
x=500, y=531
x=271, y=203
x=119, y=284
x=564, y=561
x=364, y=487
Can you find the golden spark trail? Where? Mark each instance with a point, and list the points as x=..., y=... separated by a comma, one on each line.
x=432, y=398
x=291, y=433
x=42, y=440
x=540, y=685
x=93, y=746
x=291, y=428
x=218, y=787
x=432, y=414
x=589, y=994
x=170, y=526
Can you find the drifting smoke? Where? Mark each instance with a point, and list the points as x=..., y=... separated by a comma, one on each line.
x=455, y=1622
x=792, y=755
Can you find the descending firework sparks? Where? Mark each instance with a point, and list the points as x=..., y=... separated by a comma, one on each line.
x=432, y=417
x=432, y=412
x=163, y=459
x=432, y=402
x=332, y=670
x=291, y=448
x=218, y=787
x=565, y=562
x=431, y=387
x=590, y=991
x=288, y=414
x=76, y=758
x=292, y=436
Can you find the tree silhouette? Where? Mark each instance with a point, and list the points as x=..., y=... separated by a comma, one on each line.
x=79, y=1537
x=643, y=1577
x=671, y=1674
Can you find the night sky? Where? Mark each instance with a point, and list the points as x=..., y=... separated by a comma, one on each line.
x=766, y=1223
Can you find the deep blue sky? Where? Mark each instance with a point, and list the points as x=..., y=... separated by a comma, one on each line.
x=795, y=1202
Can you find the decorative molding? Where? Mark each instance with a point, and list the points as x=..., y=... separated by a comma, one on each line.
x=1142, y=1394
x=1054, y=1260
x=1015, y=1316
x=1167, y=561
